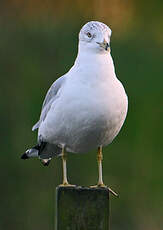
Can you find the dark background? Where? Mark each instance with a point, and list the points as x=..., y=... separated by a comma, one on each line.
x=38, y=44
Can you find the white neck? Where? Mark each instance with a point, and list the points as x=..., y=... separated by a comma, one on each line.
x=92, y=57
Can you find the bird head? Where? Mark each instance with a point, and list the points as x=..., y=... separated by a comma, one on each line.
x=95, y=36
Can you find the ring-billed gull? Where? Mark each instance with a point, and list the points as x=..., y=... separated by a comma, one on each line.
x=84, y=109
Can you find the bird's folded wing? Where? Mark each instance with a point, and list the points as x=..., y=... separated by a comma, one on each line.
x=49, y=99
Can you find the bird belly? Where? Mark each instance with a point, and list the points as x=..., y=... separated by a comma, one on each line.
x=85, y=122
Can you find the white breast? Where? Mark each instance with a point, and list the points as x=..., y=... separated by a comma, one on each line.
x=90, y=111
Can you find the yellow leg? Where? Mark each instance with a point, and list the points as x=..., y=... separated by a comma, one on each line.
x=99, y=160
x=100, y=179
x=64, y=167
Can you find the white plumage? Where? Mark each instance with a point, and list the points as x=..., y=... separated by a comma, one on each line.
x=91, y=105
x=86, y=108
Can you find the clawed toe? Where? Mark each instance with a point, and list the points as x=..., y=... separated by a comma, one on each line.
x=105, y=186
x=67, y=185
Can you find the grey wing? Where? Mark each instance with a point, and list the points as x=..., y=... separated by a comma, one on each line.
x=49, y=99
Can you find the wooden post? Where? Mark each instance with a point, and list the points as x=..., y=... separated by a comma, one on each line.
x=82, y=208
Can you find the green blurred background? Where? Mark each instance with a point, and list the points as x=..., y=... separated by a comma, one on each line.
x=38, y=44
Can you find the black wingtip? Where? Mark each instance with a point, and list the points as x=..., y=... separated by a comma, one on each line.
x=45, y=162
x=24, y=156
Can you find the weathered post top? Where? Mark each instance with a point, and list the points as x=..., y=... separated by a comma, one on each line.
x=82, y=208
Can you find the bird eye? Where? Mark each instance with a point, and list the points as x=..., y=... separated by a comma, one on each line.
x=89, y=35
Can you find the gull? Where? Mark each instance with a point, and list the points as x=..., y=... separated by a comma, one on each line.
x=85, y=108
